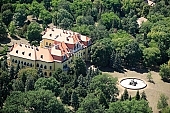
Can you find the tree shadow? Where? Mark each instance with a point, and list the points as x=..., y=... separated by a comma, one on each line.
x=151, y=81
x=139, y=68
x=166, y=80
x=5, y=40
x=15, y=37
x=108, y=69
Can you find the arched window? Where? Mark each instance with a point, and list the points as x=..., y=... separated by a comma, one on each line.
x=50, y=44
x=12, y=60
x=37, y=65
x=41, y=66
x=30, y=64
x=50, y=74
x=25, y=63
x=18, y=62
x=15, y=61
x=45, y=67
x=45, y=73
x=21, y=62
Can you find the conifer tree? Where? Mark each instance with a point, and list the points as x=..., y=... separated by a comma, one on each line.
x=65, y=96
x=74, y=100
x=143, y=95
x=11, y=72
x=17, y=69
x=125, y=95
x=137, y=97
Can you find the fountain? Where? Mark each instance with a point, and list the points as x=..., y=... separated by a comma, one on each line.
x=133, y=83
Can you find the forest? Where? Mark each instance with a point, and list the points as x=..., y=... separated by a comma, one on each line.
x=118, y=42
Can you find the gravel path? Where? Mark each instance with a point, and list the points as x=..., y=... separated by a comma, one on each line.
x=152, y=90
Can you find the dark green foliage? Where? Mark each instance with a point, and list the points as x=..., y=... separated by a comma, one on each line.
x=74, y=101
x=48, y=84
x=34, y=32
x=40, y=101
x=106, y=84
x=19, y=17
x=165, y=71
x=18, y=85
x=5, y=86
x=162, y=102
x=125, y=95
x=7, y=6
x=79, y=67
x=3, y=33
x=65, y=96
x=90, y=105
x=137, y=97
x=40, y=72
x=129, y=107
x=7, y=17
x=143, y=95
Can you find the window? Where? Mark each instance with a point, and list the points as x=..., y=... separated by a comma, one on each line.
x=15, y=61
x=50, y=74
x=41, y=66
x=45, y=67
x=30, y=64
x=18, y=61
x=16, y=51
x=50, y=67
x=23, y=53
x=47, y=43
x=29, y=54
x=37, y=65
x=21, y=62
x=41, y=56
x=12, y=60
x=25, y=63
x=45, y=73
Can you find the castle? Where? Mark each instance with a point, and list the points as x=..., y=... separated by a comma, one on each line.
x=57, y=49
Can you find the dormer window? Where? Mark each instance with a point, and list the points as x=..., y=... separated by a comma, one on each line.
x=23, y=53
x=50, y=35
x=29, y=54
x=17, y=51
x=42, y=56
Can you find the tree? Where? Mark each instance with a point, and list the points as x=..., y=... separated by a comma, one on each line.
x=65, y=96
x=35, y=8
x=45, y=16
x=165, y=110
x=12, y=72
x=101, y=51
x=34, y=101
x=125, y=95
x=143, y=95
x=164, y=71
x=149, y=76
x=87, y=20
x=7, y=6
x=151, y=56
x=29, y=84
x=5, y=86
x=106, y=84
x=17, y=69
x=59, y=16
x=127, y=106
x=12, y=28
x=47, y=4
x=137, y=97
x=90, y=105
x=3, y=33
x=74, y=100
x=162, y=102
x=110, y=20
x=19, y=17
x=18, y=85
x=34, y=32
x=7, y=17
x=79, y=67
x=48, y=84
